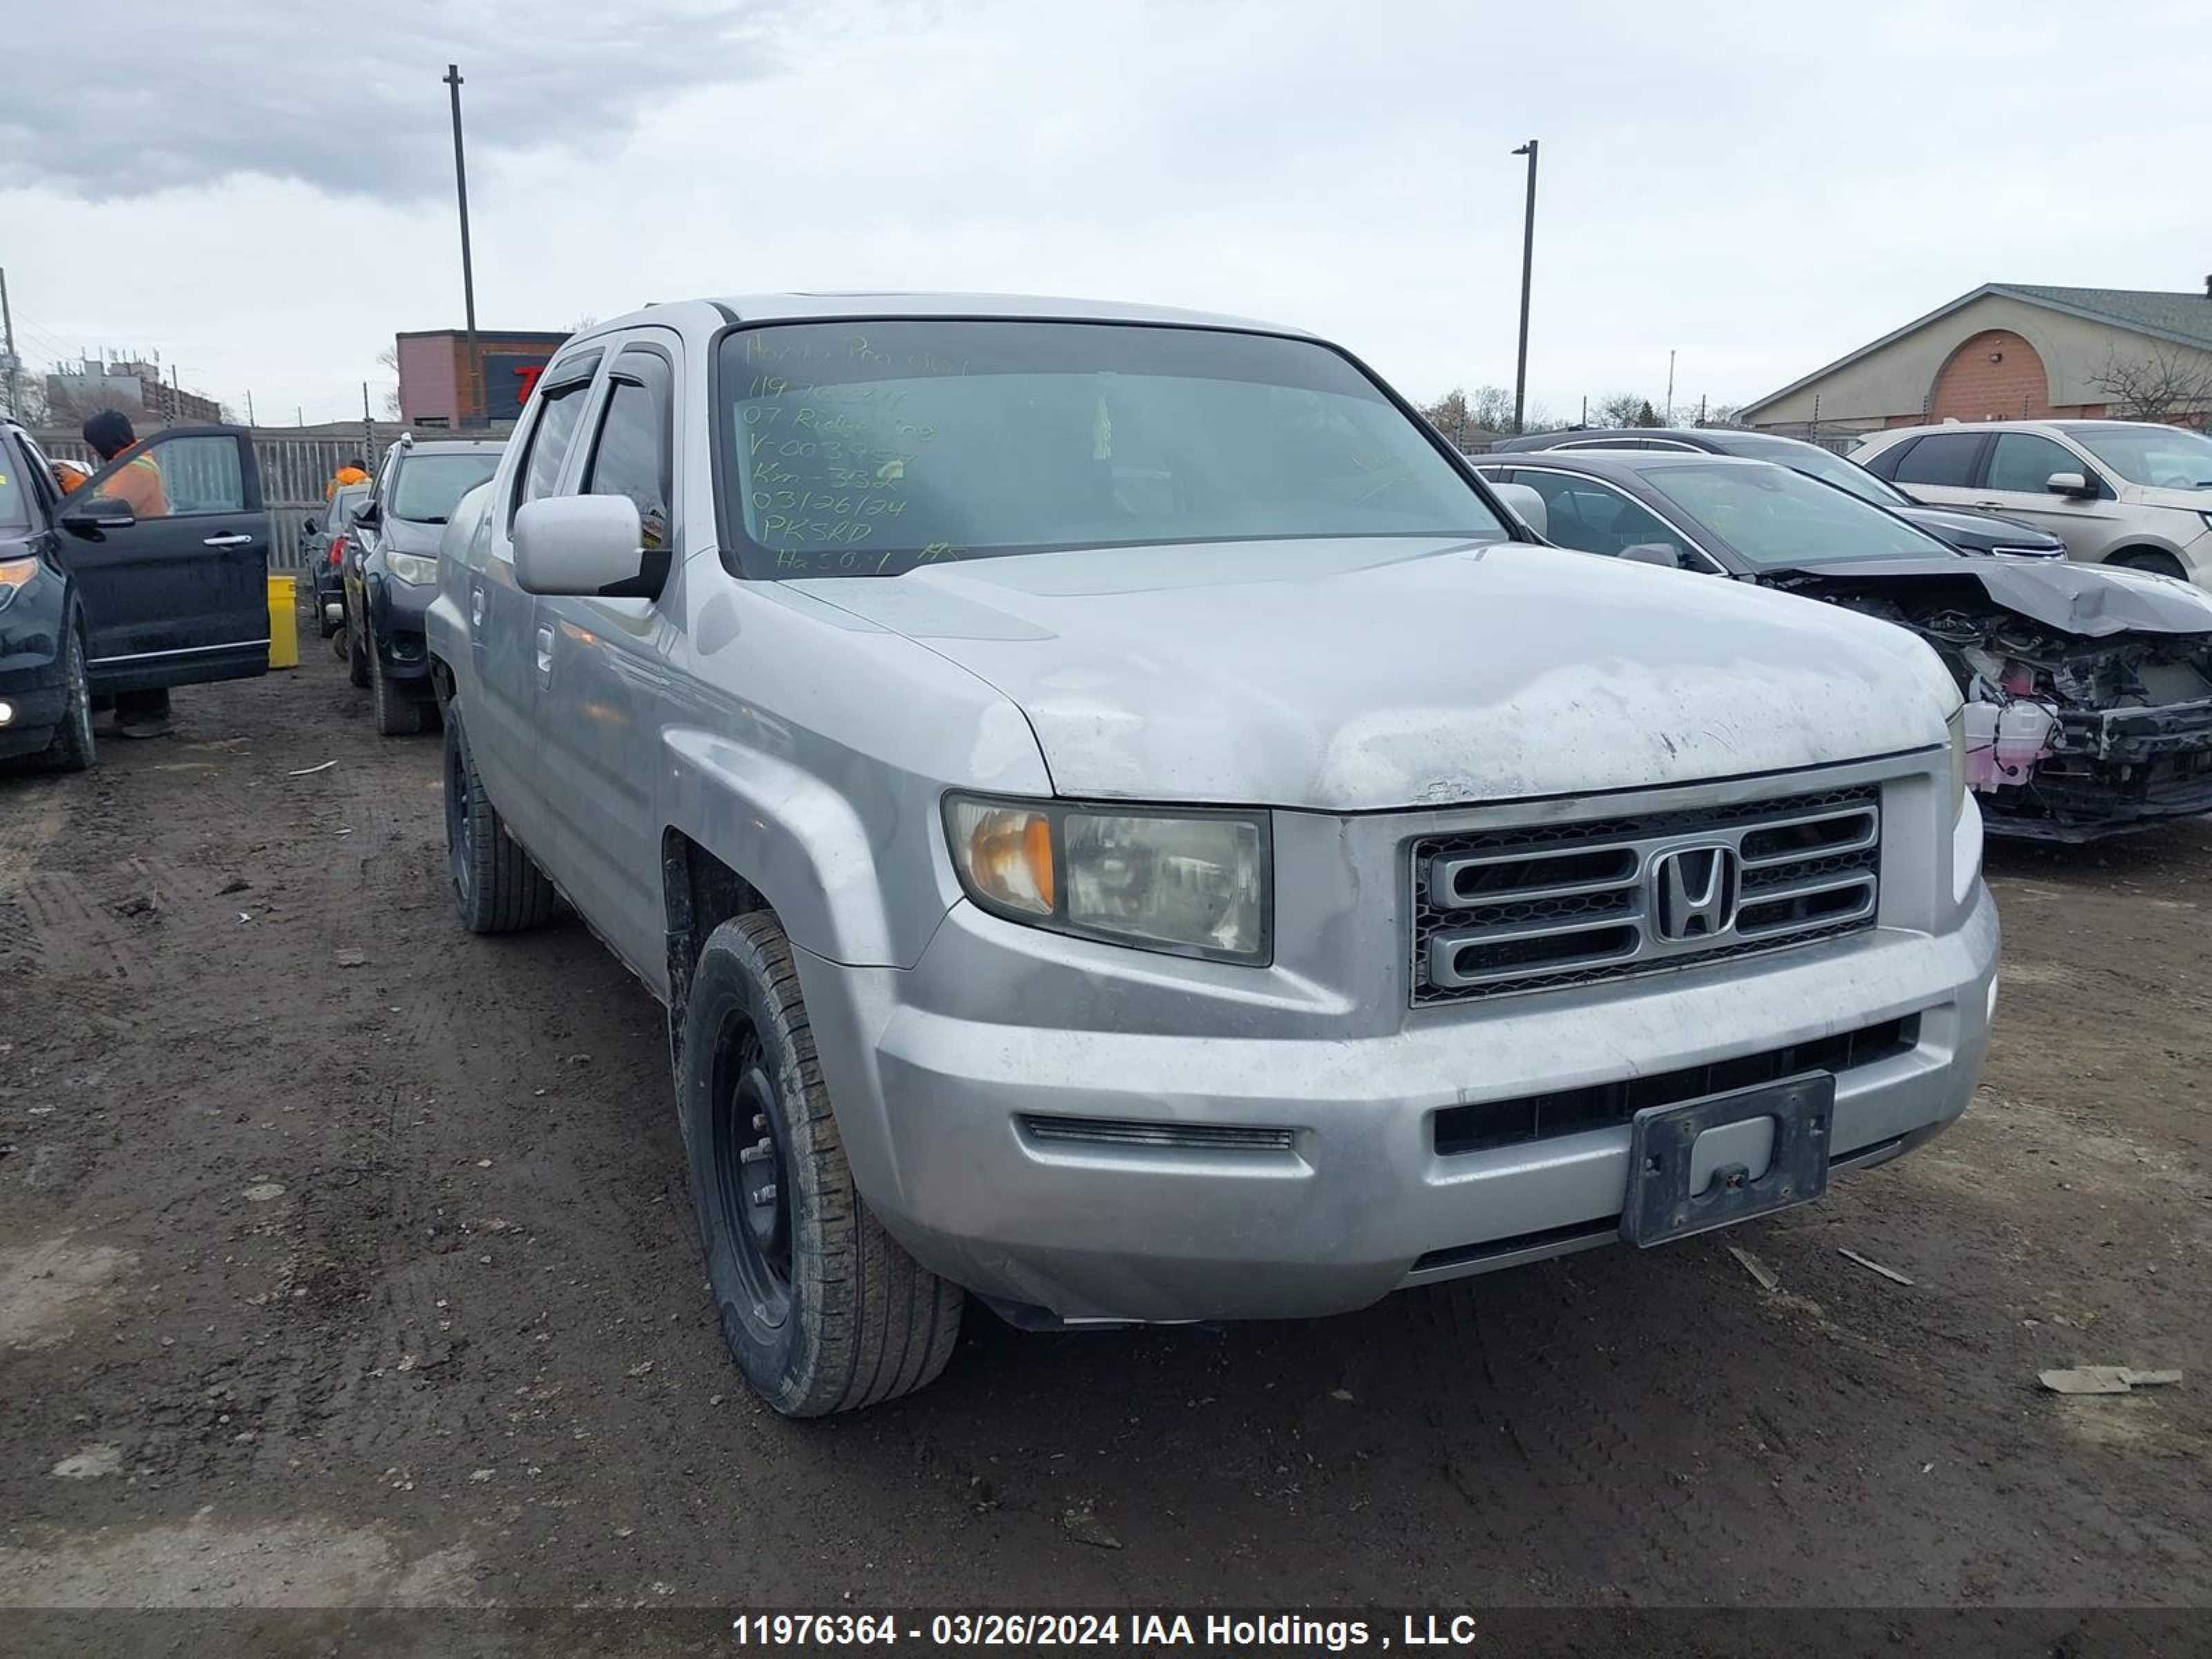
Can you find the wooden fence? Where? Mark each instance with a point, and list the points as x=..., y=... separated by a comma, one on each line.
x=294, y=471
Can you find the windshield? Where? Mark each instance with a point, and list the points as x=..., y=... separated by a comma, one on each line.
x=873, y=448
x=14, y=513
x=2165, y=457
x=344, y=504
x=1828, y=467
x=1776, y=517
x=429, y=486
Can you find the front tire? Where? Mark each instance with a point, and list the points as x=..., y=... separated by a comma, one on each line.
x=821, y=1308
x=74, y=747
x=2158, y=561
x=497, y=887
x=396, y=716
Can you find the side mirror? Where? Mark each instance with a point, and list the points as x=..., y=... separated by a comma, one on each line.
x=1664, y=553
x=590, y=546
x=1528, y=504
x=311, y=527
x=370, y=513
x=101, y=513
x=2069, y=484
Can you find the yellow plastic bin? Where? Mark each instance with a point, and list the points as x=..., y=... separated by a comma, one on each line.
x=283, y=621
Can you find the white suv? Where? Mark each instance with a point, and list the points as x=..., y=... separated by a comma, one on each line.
x=2115, y=492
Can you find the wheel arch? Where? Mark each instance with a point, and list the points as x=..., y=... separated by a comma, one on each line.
x=2154, y=554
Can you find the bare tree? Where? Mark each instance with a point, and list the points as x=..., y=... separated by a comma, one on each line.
x=2166, y=385
x=1627, y=408
x=388, y=360
x=1472, y=419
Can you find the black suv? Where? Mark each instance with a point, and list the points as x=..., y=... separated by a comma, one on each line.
x=97, y=597
x=1970, y=532
x=391, y=569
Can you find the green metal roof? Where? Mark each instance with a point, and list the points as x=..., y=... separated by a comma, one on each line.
x=2184, y=318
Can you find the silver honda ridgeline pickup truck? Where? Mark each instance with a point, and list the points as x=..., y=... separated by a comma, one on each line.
x=1128, y=826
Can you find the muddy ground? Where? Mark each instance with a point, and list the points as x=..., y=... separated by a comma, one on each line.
x=347, y=1259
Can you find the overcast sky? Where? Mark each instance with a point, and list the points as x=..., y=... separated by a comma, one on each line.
x=266, y=198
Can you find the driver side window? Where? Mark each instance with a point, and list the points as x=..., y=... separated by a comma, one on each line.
x=166, y=477
x=1595, y=517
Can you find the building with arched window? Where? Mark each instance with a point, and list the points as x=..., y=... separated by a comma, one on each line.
x=2011, y=351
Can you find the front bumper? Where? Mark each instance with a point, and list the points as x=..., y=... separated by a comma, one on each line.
x=2113, y=771
x=396, y=611
x=32, y=681
x=932, y=1107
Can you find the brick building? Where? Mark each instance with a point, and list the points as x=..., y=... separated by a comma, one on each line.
x=2015, y=351
x=437, y=388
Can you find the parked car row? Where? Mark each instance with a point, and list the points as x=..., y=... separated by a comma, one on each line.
x=1127, y=825
x=387, y=567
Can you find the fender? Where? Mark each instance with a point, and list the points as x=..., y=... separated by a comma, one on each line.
x=799, y=842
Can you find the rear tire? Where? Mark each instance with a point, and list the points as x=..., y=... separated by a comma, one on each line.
x=356, y=652
x=821, y=1308
x=2155, y=559
x=396, y=716
x=497, y=887
x=74, y=747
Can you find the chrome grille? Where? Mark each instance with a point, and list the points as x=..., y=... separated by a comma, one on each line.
x=1548, y=905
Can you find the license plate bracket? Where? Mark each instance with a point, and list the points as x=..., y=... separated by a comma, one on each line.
x=1662, y=1142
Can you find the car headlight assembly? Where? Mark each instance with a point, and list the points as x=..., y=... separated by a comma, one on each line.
x=1191, y=883
x=1957, y=727
x=14, y=575
x=416, y=569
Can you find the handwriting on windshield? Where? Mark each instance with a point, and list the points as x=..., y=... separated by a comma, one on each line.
x=830, y=459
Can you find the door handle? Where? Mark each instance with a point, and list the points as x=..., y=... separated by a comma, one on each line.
x=1989, y=503
x=227, y=541
x=476, y=606
x=544, y=655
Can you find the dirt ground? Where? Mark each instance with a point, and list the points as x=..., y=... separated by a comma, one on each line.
x=346, y=1259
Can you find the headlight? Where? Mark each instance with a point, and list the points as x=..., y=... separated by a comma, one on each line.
x=1192, y=884
x=1957, y=726
x=15, y=573
x=414, y=569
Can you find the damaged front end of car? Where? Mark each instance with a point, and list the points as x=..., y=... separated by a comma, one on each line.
x=2089, y=692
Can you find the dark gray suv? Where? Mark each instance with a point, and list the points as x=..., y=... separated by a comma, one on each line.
x=391, y=568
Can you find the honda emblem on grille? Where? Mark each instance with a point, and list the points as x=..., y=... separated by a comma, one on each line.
x=1693, y=893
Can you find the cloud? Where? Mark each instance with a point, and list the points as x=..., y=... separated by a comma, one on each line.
x=348, y=98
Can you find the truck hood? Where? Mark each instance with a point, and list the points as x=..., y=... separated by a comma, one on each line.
x=1355, y=674
x=2090, y=600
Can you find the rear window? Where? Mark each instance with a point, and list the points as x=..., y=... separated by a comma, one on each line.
x=1946, y=461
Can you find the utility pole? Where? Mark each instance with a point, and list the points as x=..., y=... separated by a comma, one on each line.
x=367, y=430
x=249, y=407
x=472, y=393
x=1670, y=386
x=15, y=369
x=1528, y=259
x=176, y=396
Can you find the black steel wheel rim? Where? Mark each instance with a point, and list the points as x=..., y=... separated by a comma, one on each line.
x=752, y=1185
